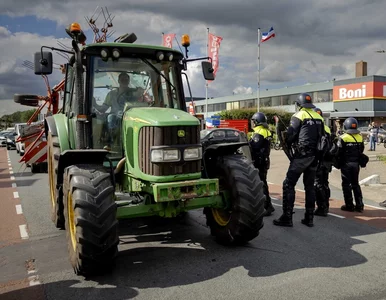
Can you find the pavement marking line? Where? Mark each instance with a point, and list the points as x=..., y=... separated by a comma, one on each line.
x=10, y=168
x=19, y=210
x=23, y=231
x=10, y=172
x=338, y=216
x=15, y=194
x=34, y=280
x=14, y=185
x=381, y=208
x=12, y=177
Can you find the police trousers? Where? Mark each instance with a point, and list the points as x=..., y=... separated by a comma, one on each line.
x=350, y=183
x=322, y=188
x=298, y=166
x=263, y=171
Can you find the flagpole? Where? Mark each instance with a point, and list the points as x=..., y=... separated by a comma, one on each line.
x=258, y=69
x=162, y=42
x=206, y=82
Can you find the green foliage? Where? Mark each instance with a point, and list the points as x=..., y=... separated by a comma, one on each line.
x=16, y=117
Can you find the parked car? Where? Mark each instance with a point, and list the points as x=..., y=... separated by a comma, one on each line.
x=11, y=144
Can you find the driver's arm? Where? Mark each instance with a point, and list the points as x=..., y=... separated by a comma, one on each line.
x=106, y=104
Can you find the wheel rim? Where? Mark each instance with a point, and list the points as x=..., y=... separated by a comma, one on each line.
x=221, y=216
x=71, y=220
x=51, y=177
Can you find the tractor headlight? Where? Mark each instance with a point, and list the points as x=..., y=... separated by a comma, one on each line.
x=165, y=155
x=193, y=153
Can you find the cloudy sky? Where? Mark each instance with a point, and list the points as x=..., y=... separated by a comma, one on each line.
x=315, y=41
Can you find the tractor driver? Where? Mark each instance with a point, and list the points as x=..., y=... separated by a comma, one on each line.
x=116, y=100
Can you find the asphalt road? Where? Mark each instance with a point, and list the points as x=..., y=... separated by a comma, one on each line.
x=342, y=257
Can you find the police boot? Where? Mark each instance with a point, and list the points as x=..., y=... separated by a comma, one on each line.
x=285, y=219
x=308, y=218
x=348, y=207
x=321, y=211
x=359, y=206
x=268, y=207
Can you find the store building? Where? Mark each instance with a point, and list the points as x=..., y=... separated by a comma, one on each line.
x=362, y=97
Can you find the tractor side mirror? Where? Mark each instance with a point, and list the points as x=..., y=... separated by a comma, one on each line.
x=207, y=70
x=43, y=64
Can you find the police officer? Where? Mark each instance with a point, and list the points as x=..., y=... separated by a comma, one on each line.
x=260, y=143
x=303, y=135
x=323, y=170
x=351, y=147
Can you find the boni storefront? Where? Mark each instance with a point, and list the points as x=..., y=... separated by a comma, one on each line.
x=363, y=98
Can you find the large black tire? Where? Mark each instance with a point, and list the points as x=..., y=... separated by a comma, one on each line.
x=56, y=191
x=243, y=220
x=90, y=213
x=28, y=100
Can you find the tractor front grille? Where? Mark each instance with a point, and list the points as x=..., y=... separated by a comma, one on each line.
x=167, y=136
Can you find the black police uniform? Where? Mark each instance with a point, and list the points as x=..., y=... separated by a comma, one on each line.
x=260, y=143
x=304, y=133
x=322, y=187
x=351, y=146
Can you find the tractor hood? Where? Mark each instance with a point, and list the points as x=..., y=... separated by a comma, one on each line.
x=157, y=116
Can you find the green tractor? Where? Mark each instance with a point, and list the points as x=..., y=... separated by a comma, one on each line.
x=123, y=146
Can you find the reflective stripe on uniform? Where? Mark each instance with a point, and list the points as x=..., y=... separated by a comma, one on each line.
x=308, y=113
x=264, y=132
x=349, y=138
x=327, y=129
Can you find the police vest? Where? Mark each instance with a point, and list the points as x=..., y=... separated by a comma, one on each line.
x=312, y=125
x=261, y=140
x=351, y=146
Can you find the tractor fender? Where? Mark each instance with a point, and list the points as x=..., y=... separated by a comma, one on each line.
x=57, y=125
x=223, y=149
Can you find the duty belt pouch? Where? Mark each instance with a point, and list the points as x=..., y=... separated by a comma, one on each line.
x=363, y=158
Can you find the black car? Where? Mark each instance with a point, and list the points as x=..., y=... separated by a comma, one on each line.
x=11, y=144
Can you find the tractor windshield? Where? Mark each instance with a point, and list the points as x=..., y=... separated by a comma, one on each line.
x=118, y=85
x=134, y=82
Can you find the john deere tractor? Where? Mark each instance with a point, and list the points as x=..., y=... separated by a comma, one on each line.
x=123, y=146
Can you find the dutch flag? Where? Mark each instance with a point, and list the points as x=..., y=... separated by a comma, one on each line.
x=265, y=36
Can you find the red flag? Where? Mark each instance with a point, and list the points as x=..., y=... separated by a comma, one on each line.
x=213, y=49
x=168, y=40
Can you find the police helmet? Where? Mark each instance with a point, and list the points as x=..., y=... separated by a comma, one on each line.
x=350, y=125
x=319, y=111
x=259, y=118
x=304, y=100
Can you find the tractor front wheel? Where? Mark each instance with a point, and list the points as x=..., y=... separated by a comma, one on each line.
x=242, y=220
x=56, y=193
x=90, y=213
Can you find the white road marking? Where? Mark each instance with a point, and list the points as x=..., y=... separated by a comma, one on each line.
x=381, y=208
x=31, y=272
x=14, y=185
x=338, y=216
x=19, y=211
x=34, y=280
x=10, y=168
x=23, y=231
x=12, y=177
x=15, y=194
x=10, y=172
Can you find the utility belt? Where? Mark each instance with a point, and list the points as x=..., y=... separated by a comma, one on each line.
x=304, y=151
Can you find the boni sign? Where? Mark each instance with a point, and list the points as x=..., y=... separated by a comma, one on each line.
x=354, y=91
x=345, y=93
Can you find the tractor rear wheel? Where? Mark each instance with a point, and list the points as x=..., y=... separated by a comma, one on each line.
x=243, y=219
x=56, y=192
x=90, y=213
x=28, y=100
